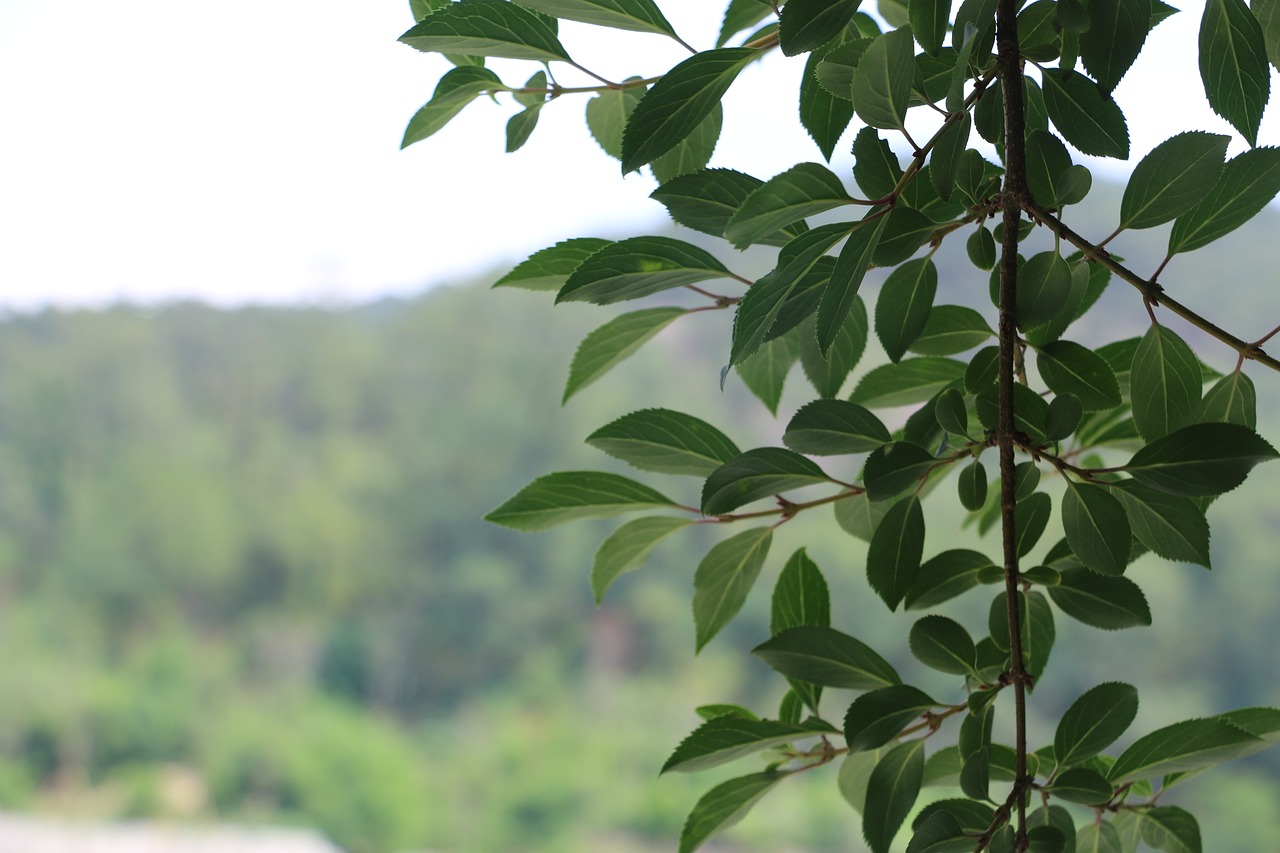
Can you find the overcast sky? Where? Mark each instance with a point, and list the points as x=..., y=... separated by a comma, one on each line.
x=248, y=150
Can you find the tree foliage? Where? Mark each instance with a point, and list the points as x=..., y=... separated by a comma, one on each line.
x=1102, y=453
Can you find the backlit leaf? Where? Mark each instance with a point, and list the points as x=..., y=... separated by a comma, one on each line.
x=1084, y=116
x=641, y=16
x=614, y=341
x=724, y=578
x=827, y=372
x=728, y=738
x=912, y=380
x=457, y=88
x=891, y=793
x=1069, y=368
x=1248, y=183
x=808, y=24
x=800, y=597
x=824, y=116
x=1233, y=65
x=1165, y=383
x=1117, y=31
x=1094, y=721
x=638, y=267
x=723, y=806
x=486, y=28
x=1188, y=745
x=550, y=268
x=1173, y=178
x=628, y=547
x=882, y=86
x=554, y=499
x=693, y=152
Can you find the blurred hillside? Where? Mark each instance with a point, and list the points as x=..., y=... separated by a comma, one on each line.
x=244, y=575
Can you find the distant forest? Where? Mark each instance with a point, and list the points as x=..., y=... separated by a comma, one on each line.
x=244, y=575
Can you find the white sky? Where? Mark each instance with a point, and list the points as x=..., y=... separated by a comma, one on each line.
x=247, y=150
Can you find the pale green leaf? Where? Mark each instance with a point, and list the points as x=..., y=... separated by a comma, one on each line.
x=724, y=578
x=628, y=547
x=486, y=28
x=569, y=495
x=614, y=341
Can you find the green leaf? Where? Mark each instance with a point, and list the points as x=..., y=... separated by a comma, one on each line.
x=808, y=24
x=1173, y=178
x=1044, y=283
x=706, y=200
x=728, y=738
x=1189, y=745
x=1082, y=785
x=1094, y=721
x=693, y=152
x=875, y=167
x=638, y=267
x=1172, y=526
x=1248, y=183
x=951, y=413
x=679, y=102
x=905, y=231
x=422, y=8
x=893, y=557
x=968, y=814
x=486, y=28
x=1063, y=416
x=1069, y=368
x=641, y=16
x=1232, y=400
x=614, y=341
x=1103, y=602
x=758, y=473
x=569, y=495
x=1032, y=517
x=765, y=373
x=825, y=656
x=833, y=428
x=943, y=644
x=859, y=516
x=940, y=832
x=903, y=307
x=1084, y=116
x=724, y=578
x=882, y=87
x=665, y=440
x=1201, y=459
x=521, y=125
x=1170, y=828
x=550, y=268
x=1117, y=31
x=457, y=88
x=944, y=162
x=1097, y=836
x=973, y=486
x=803, y=190
x=760, y=306
x=951, y=329
x=1165, y=383
x=724, y=805
x=828, y=372
x=1233, y=65
x=929, y=19
x=912, y=380
x=841, y=292
x=1268, y=14
x=837, y=67
x=800, y=597
x=894, y=468
x=628, y=547
x=854, y=776
x=891, y=793
x=824, y=116
x=1047, y=162
x=739, y=15
x=878, y=717
x=1097, y=528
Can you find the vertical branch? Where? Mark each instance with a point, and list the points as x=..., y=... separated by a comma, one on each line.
x=1015, y=190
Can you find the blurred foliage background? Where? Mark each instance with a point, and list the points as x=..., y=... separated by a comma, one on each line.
x=243, y=577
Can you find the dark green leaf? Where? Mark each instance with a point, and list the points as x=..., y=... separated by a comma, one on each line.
x=1233, y=65
x=614, y=341
x=800, y=597
x=968, y=814
x=723, y=806
x=1248, y=183
x=1032, y=517
x=739, y=15
x=838, y=66
x=765, y=373
x=679, y=102
x=692, y=153
x=486, y=28
x=905, y=231
x=637, y=267
x=882, y=86
x=891, y=793
x=1114, y=39
x=1201, y=459
x=1044, y=283
x=951, y=412
x=803, y=190
x=1097, y=528
x=877, y=717
x=1094, y=721
x=903, y=305
x=808, y=24
x=834, y=427
x=1169, y=181
x=1189, y=745
x=893, y=557
x=550, y=268
x=951, y=329
x=569, y=495
x=520, y=127
x=641, y=16
x=1232, y=400
x=1082, y=785
x=1047, y=162
x=756, y=474
x=973, y=486
x=824, y=116
x=912, y=380
x=826, y=656
x=1165, y=383
x=929, y=19
x=1171, y=829
x=1103, y=602
x=1268, y=14
x=842, y=291
x=943, y=644
x=875, y=167
x=728, y=738
x=706, y=200
x=1084, y=116
x=665, y=440
x=940, y=832
x=1172, y=526
x=1069, y=368
x=828, y=372
x=945, y=576
x=457, y=88
x=1063, y=416
x=723, y=579
x=628, y=547
x=947, y=151
x=894, y=468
